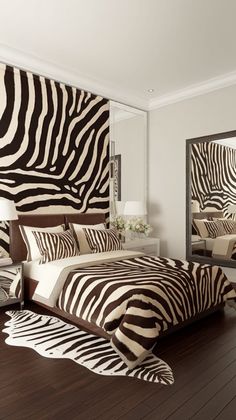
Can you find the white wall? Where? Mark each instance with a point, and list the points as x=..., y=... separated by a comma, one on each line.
x=169, y=127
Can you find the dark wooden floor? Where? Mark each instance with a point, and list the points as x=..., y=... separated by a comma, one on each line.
x=203, y=358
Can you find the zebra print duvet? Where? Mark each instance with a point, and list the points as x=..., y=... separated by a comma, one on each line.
x=134, y=300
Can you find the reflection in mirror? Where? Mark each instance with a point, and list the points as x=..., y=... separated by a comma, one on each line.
x=128, y=155
x=211, y=199
x=10, y=284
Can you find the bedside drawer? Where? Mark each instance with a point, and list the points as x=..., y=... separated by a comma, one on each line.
x=148, y=249
x=149, y=246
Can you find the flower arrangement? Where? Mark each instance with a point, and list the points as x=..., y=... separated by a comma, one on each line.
x=119, y=224
x=137, y=225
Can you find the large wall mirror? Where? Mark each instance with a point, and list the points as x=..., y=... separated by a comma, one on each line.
x=128, y=143
x=211, y=199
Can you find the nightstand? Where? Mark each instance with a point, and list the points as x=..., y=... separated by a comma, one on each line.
x=11, y=284
x=149, y=246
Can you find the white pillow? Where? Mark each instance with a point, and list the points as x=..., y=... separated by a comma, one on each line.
x=201, y=227
x=33, y=252
x=84, y=247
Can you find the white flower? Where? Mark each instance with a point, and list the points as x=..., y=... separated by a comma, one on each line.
x=119, y=224
x=138, y=225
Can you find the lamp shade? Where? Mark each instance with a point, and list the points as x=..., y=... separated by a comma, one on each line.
x=195, y=206
x=232, y=208
x=7, y=210
x=135, y=208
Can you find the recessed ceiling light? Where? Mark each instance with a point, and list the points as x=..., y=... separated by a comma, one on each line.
x=150, y=90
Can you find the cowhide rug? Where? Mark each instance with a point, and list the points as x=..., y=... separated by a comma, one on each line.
x=52, y=337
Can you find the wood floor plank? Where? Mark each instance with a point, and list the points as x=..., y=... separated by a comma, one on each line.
x=218, y=402
x=228, y=412
x=188, y=375
x=202, y=357
x=201, y=378
x=199, y=399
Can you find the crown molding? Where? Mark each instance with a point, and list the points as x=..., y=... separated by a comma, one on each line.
x=34, y=64
x=51, y=70
x=191, y=91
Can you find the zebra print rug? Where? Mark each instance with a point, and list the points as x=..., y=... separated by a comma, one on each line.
x=51, y=337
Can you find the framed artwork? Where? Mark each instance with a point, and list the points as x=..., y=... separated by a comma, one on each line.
x=116, y=175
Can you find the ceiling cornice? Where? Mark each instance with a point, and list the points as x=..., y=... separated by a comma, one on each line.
x=197, y=89
x=36, y=65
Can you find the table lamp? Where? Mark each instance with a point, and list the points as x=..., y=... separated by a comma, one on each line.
x=7, y=210
x=135, y=208
x=7, y=213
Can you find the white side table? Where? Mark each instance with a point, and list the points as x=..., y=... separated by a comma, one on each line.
x=149, y=246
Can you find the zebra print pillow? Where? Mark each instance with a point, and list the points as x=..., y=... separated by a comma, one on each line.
x=55, y=246
x=228, y=225
x=30, y=242
x=102, y=240
x=214, y=229
x=80, y=237
x=199, y=225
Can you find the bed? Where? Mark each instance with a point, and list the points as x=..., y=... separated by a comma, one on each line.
x=128, y=297
x=222, y=246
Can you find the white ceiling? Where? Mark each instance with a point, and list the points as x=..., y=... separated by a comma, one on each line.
x=122, y=48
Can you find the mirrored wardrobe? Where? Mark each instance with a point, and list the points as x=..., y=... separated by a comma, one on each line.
x=128, y=151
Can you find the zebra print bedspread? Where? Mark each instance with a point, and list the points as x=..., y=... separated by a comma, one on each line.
x=134, y=299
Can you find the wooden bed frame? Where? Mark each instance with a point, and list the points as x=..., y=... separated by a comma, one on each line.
x=18, y=253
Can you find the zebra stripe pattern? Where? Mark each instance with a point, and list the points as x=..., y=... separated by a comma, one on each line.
x=102, y=240
x=54, y=145
x=228, y=225
x=214, y=228
x=4, y=238
x=10, y=283
x=134, y=300
x=55, y=246
x=52, y=337
x=33, y=252
x=213, y=170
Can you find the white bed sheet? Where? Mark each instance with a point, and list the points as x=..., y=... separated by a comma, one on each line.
x=208, y=241
x=52, y=276
x=220, y=245
x=209, y=244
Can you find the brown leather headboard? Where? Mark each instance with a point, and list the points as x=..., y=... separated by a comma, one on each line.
x=208, y=214
x=85, y=218
x=18, y=250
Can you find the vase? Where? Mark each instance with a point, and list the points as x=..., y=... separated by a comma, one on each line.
x=140, y=235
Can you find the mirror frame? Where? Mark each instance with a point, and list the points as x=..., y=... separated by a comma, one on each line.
x=189, y=255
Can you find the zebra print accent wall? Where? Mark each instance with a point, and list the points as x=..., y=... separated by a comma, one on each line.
x=213, y=176
x=54, y=153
